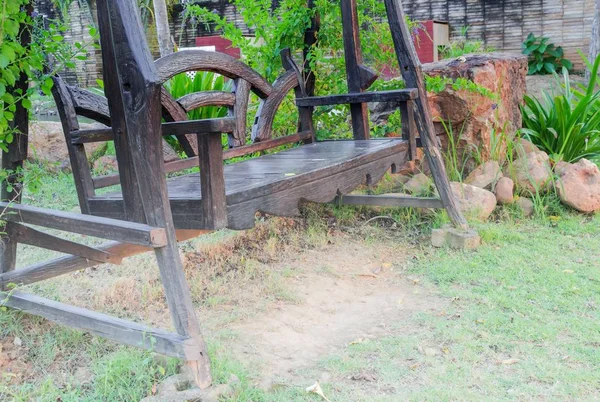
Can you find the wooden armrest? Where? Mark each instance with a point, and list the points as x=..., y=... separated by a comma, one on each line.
x=400, y=95
x=106, y=228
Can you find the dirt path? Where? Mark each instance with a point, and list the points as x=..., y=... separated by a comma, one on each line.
x=346, y=293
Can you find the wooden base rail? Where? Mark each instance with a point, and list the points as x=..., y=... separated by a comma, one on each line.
x=175, y=166
x=113, y=328
x=104, y=228
x=386, y=200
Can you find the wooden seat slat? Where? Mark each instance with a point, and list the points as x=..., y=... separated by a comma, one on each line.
x=270, y=176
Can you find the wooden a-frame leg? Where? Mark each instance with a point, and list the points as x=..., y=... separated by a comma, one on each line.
x=135, y=102
x=412, y=73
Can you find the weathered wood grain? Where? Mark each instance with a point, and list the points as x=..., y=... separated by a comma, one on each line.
x=220, y=63
x=262, y=129
x=355, y=74
x=139, y=106
x=401, y=95
x=97, y=226
x=182, y=164
x=206, y=98
x=413, y=76
x=27, y=235
x=64, y=265
x=212, y=181
x=77, y=155
x=241, y=91
x=174, y=111
x=116, y=329
x=389, y=201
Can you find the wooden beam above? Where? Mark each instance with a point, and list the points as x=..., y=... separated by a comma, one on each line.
x=401, y=95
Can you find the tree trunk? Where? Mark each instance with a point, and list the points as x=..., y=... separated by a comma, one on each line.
x=161, y=17
x=595, y=40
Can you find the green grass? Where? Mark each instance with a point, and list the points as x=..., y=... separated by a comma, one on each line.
x=530, y=293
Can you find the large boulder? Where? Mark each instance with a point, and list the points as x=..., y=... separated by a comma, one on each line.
x=578, y=185
x=485, y=175
x=474, y=202
x=474, y=118
x=532, y=172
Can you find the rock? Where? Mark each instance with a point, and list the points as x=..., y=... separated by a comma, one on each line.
x=180, y=388
x=579, y=185
x=522, y=147
x=475, y=118
x=485, y=175
x=526, y=206
x=47, y=143
x=532, y=172
x=418, y=185
x=504, y=191
x=455, y=238
x=474, y=202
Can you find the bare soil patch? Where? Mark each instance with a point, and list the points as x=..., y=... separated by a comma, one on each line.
x=347, y=292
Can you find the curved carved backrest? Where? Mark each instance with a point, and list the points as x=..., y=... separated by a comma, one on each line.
x=245, y=80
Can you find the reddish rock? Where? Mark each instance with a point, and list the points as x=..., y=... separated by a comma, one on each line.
x=532, y=172
x=526, y=206
x=579, y=185
x=522, y=147
x=474, y=202
x=504, y=191
x=485, y=175
x=476, y=118
x=418, y=185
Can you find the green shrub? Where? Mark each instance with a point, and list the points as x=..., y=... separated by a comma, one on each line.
x=566, y=126
x=183, y=84
x=544, y=57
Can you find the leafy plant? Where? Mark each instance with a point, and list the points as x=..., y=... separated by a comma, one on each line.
x=461, y=46
x=544, y=56
x=566, y=126
x=183, y=84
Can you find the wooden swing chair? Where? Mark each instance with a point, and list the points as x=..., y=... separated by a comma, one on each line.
x=151, y=212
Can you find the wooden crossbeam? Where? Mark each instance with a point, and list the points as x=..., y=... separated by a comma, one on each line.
x=26, y=235
x=63, y=265
x=105, y=228
x=386, y=200
x=207, y=126
x=401, y=95
x=116, y=329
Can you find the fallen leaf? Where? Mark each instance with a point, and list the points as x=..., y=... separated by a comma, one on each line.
x=510, y=361
x=568, y=271
x=154, y=389
x=316, y=389
x=357, y=341
x=18, y=341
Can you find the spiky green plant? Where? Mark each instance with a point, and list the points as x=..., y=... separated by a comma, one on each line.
x=566, y=126
x=183, y=84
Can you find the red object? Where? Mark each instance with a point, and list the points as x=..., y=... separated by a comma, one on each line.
x=221, y=45
x=424, y=42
